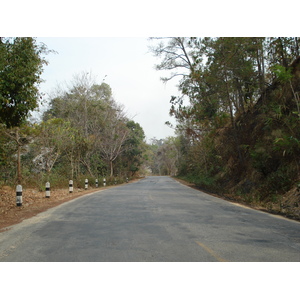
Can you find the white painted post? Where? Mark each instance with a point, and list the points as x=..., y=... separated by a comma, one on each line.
x=104, y=182
x=96, y=183
x=86, y=184
x=47, y=189
x=19, y=198
x=71, y=186
x=127, y=179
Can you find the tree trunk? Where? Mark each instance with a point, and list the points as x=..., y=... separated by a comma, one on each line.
x=233, y=124
x=111, y=168
x=19, y=176
x=87, y=167
x=297, y=46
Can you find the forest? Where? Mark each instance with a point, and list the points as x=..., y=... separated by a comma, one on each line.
x=83, y=134
x=237, y=115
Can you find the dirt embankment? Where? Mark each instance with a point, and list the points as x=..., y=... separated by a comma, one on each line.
x=287, y=206
x=34, y=202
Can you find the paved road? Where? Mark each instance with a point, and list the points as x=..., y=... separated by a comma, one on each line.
x=154, y=219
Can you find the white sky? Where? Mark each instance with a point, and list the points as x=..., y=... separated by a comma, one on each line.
x=129, y=67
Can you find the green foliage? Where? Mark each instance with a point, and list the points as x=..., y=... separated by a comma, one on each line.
x=20, y=69
x=282, y=73
x=84, y=134
x=287, y=145
x=132, y=158
x=201, y=180
x=281, y=180
x=98, y=138
x=260, y=158
x=7, y=160
x=237, y=111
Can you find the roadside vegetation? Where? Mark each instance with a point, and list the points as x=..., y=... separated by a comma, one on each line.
x=83, y=132
x=238, y=116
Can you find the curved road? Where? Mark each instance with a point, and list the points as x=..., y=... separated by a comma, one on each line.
x=154, y=219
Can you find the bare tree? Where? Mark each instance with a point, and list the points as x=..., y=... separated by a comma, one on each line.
x=113, y=136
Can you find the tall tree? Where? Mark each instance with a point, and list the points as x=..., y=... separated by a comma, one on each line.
x=282, y=50
x=99, y=121
x=113, y=136
x=20, y=137
x=132, y=157
x=176, y=56
x=21, y=66
x=54, y=138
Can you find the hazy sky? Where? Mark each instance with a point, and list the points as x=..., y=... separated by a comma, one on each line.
x=126, y=65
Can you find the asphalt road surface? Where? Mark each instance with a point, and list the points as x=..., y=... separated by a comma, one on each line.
x=154, y=219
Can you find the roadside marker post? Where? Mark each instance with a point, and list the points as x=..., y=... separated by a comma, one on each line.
x=96, y=183
x=86, y=184
x=104, y=182
x=19, y=197
x=47, y=189
x=71, y=186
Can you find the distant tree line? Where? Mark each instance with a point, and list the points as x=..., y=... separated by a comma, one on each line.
x=163, y=156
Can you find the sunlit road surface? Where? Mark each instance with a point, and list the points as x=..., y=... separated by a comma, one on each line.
x=155, y=219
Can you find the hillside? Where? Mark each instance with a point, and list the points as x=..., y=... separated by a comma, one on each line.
x=258, y=156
